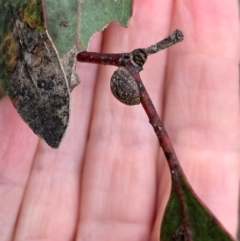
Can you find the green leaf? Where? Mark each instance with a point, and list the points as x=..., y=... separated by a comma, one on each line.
x=71, y=21
x=184, y=205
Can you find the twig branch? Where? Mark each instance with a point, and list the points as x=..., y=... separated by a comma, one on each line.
x=132, y=64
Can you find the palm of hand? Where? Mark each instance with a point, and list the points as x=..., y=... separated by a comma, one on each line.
x=109, y=179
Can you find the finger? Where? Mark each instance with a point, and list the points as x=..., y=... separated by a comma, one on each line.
x=15, y=165
x=201, y=111
x=51, y=202
x=119, y=181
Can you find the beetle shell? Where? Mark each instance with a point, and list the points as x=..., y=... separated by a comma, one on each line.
x=124, y=87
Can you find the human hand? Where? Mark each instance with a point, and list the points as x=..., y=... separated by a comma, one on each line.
x=109, y=179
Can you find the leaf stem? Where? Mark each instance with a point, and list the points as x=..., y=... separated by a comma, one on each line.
x=99, y=58
x=167, y=147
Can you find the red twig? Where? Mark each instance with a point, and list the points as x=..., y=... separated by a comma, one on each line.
x=133, y=62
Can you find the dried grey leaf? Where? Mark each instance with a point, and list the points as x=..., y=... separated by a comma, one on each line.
x=40, y=87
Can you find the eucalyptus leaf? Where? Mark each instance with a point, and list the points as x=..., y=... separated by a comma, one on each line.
x=38, y=45
x=187, y=218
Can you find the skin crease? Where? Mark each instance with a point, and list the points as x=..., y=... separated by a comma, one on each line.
x=109, y=179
